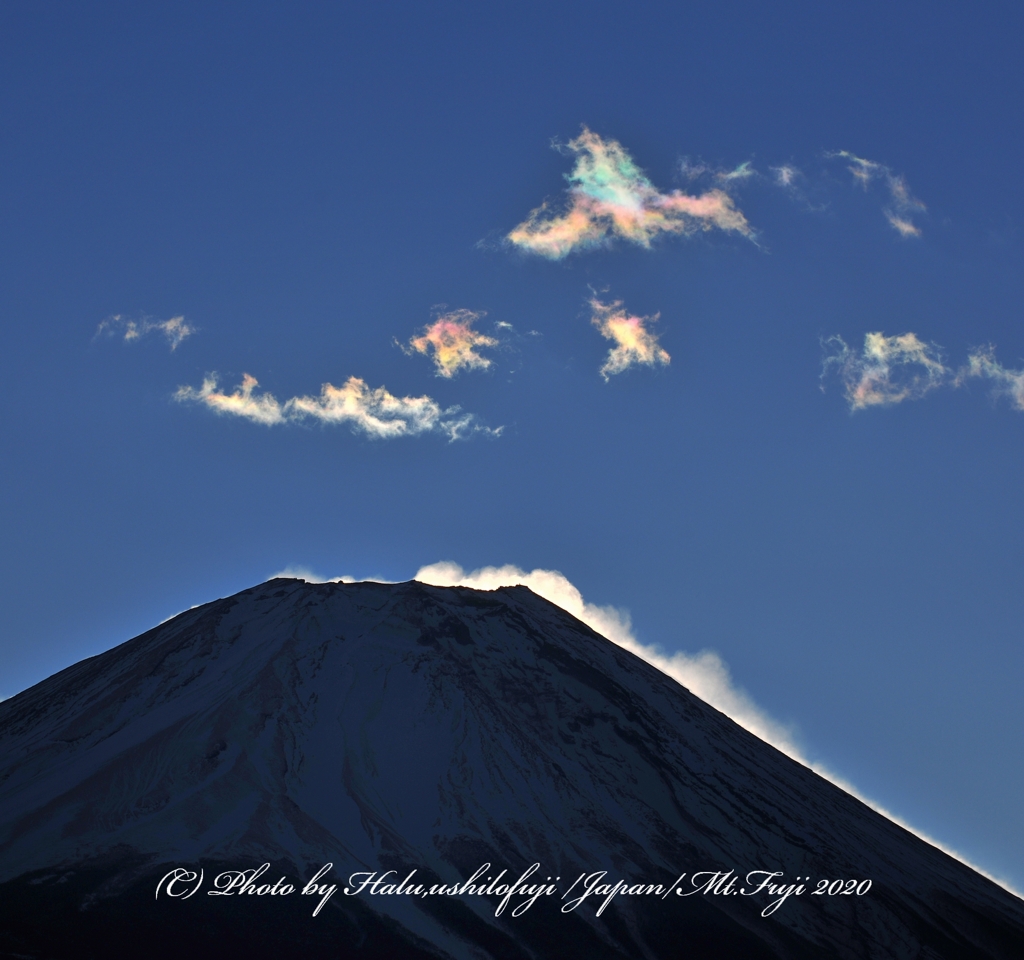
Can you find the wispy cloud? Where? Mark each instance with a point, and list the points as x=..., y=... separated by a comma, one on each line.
x=1005, y=382
x=453, y=342
x=610, y=196
x=743, y=172
x=888, y=370
x=785, y=175
x=634, y=343
x=698, y=170
x=902, y=204
x=175, y=329
x=704, y=674
x=374, y=412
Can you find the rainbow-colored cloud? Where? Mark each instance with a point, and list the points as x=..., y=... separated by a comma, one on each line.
x=374, y=412
x=634, y=343
x=902, y=206
x=453, y=341
x=611, y=197
x=889, y=369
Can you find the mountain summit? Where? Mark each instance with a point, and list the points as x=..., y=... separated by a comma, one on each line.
x=453, y=733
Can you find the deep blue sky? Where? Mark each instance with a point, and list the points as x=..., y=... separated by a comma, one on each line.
x=304, y=183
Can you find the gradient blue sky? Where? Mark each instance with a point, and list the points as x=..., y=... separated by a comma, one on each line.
x=305, y=183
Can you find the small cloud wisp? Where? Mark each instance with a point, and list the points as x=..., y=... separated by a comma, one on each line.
x=785, y=175
x=902, y=204
x=705, y=674
x=373, y=412
x=610, y=196
x=634, y=343
x=982, y=363
x=453, y=342
x=889, y=370
x=175, y=329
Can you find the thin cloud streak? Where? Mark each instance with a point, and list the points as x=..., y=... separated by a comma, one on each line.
x=742, y=172
x=175, y=330
x=705, y=675
x=902, y=204
x=610, y=196
x=373, y=412
x=453, y=342
x=888, y=370
x=634, y=344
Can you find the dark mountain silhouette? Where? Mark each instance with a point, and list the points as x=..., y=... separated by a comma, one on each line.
x=405, y=727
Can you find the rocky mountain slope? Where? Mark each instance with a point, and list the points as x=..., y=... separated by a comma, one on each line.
x=405, y=727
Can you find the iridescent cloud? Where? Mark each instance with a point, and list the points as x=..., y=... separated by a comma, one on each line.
x=888, y=370
x=262, y=408
x=634, y=343
x=902, y=204
x=610, y=196
x=175, y=329
x=742, y=172
x=453, y=341
x=374, y=412
x=983, y=363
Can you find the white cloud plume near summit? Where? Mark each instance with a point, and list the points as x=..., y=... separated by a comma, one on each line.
x=175, y=329
x=705, y=675
x=635, y=345
x=299, y=572
x=610, y=196
x=374, y=412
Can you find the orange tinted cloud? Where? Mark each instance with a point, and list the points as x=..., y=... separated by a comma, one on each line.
x=374, y=412
x=610, y=196
x=453, y=342
x=634, y=343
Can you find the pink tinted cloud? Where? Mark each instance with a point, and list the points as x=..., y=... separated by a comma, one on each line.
x=902, y=204
x=635, y=345
x=888, y=370
x=610, y=196
x=374, y=412
x=453, y=342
